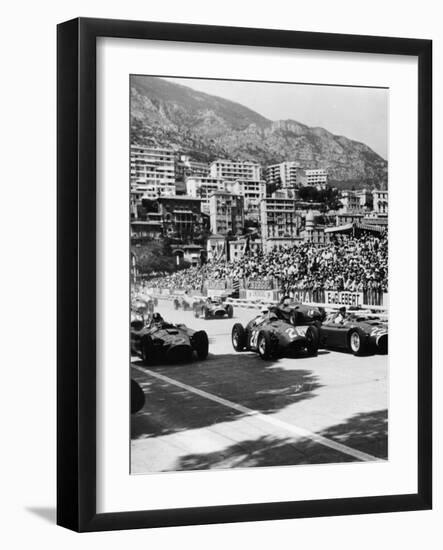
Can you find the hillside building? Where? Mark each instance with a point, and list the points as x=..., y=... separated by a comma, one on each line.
x=202, y=187
x=186, y=167
x=182, y=219
x=226, y=213
x=280, y=224
x=313, y=178
x=152, y=164
x=229, y=170
x=252, y=192
x=284, y=174
x=380, y=201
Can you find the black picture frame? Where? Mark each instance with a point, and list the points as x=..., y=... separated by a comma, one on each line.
x=76, y=294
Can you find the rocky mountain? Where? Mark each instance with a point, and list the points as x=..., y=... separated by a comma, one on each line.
x=209, y=127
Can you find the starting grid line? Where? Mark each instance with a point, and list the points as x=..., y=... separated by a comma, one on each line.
x=291, y=428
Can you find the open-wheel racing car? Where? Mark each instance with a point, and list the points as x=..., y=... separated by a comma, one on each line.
x=159, y=341
x=298, y=314
x=144, y=305
x=358, y=334
x=213, y=308
x=182, y=302
x=271, y=336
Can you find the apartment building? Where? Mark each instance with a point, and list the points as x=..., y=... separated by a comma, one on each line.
x=186, y=167
x=280, y=224
x=350, y=202
x=252, y=192
x=284, y=174
x=203, y=187
x=235, y=170
x=181, y=217
x=380, y=201
x=152, y=164
x=226, y=212
x=313, y=178
x=153, y=190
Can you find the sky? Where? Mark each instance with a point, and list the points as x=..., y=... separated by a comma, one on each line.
x=360, y=114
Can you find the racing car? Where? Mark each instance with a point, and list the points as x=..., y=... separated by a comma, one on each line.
x=213, y=307
x=160, y=341
x=300, y=314
x=180, y=302
x=144, y=305
x=271, y=336
x=355, y=333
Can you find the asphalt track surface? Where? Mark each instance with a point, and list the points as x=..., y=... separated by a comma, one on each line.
x=235, y=410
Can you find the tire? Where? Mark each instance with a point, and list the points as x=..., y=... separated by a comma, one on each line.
x=196, y=313
x=265, y=346
x=312, y=341
x=200, y=343
x=230, y=311
x=137, y=397
x=238, y=337
x=206, y=312
x=295, y=318
x=175, y=304
x=356, y=343
x=147, y=350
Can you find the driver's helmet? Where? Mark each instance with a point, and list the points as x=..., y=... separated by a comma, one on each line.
x=285, y=301
x=157, y=319
x=273, y=313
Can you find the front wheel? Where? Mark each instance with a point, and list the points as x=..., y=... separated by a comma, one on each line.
x=265, y=346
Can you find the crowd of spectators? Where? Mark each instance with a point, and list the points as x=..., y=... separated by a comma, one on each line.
x=354, y=264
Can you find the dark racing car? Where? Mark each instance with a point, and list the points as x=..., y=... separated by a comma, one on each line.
x=300, y=314
x=271, y=336
x=159, y=341
x=360, y=335
x=213, y=308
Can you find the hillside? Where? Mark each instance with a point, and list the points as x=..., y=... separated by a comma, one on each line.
x=209, y=127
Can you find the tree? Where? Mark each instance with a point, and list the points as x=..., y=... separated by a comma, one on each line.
x=154, y=255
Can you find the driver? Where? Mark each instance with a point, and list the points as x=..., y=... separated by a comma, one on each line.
x=339, y=316
x=285, y=301
x=156, y=320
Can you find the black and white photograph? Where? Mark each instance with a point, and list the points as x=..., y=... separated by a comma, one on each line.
x=259, y=274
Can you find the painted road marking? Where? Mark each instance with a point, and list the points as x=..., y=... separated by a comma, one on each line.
x=291, y=428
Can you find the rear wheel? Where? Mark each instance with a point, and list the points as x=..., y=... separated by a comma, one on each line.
x=147, y=350
x=230, y=311
x=265, y=346
x=312, y=341
x=206, y=312
x=238, y=337
x=201, y=344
